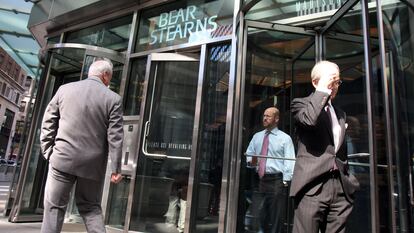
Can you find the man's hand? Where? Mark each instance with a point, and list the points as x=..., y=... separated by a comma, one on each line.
x=116, y=178
x=327, y=81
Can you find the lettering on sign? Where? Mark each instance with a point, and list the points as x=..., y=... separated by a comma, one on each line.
x=169, y=145
x=307, y=7
x=181, y=24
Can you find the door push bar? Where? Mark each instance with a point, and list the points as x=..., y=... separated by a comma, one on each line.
x=146, y=153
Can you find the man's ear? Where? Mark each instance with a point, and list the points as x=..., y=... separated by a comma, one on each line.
x=107, y=76
x=315, y=82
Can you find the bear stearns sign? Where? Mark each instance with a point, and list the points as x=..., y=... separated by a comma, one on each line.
x=181, y=24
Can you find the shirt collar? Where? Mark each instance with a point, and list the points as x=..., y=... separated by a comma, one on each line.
x=273, y=131
x=330, y=102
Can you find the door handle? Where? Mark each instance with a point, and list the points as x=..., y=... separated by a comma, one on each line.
x=145, y=151
x=144, y=146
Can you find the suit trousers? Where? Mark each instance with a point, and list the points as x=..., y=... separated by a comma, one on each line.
x=88, y=195
x=326, y=210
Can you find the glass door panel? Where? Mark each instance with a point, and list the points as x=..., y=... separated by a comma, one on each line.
x=64, y=66
x=352, y=99
x=399, y=57
x=347, y=50
x=115, y=201
x=274, y=62
x=161, y=182
x=117, y=196
x=209, y=170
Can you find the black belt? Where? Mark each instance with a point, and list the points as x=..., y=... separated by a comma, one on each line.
x=273, y=175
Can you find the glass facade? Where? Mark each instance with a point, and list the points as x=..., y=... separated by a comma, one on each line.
x=395, y=71
x=346, y=48
x=211, y=150
x=291, y=12
x=274, y=71
x=112, y=35
x=135, y=87
x=163, y=168
x=196, y=77
x=61, y=70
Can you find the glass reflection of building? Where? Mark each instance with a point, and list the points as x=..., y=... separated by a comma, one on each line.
x=196, y=76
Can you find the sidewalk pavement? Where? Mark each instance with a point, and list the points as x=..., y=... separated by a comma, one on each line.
x=31, y=227
x=5, y=226
x=34, y=227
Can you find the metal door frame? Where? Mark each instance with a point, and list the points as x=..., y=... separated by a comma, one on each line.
x=126, y=161
x=160, y=57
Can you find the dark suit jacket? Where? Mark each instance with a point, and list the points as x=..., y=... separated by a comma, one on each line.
x=316, y=151
x=82, y=125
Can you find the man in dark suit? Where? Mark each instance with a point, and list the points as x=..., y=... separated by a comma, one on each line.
x=82, y=125
x=321, y=185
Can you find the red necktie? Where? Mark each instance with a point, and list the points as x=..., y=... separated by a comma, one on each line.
x=262, y=161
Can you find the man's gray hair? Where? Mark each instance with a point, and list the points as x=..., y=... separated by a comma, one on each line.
x=99, y=67
x=319, y=66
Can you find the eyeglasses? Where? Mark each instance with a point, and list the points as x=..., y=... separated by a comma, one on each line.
x=338, y=83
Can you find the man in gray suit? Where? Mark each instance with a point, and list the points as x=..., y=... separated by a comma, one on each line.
x=321, y=185
x=82, y=125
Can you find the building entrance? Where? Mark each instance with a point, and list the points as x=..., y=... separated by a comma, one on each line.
x=160, y=200
x=65, y=63
x=175, y=147
x=277, y=62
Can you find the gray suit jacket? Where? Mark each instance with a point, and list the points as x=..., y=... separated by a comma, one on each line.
x=316, y=151
x=81, y=126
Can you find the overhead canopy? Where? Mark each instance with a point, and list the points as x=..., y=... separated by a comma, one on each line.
x=15, y=38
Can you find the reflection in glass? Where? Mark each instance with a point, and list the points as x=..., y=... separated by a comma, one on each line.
x=274, y=61
x=117, y=204
x=301, y=67
x=292, y=12
x=135, y=87
x=351, y=23
x=53, y=40
x=160, y=195
x=347, y=50
x=111, y=35
x=65, y=66
x=5, y=131
x=23, y=142
x=213, y=125
x=399, y=71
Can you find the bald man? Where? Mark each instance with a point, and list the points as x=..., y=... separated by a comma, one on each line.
x=269, y=152
x=322, y=187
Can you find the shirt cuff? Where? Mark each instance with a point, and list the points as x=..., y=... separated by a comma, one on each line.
x=287, y=177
